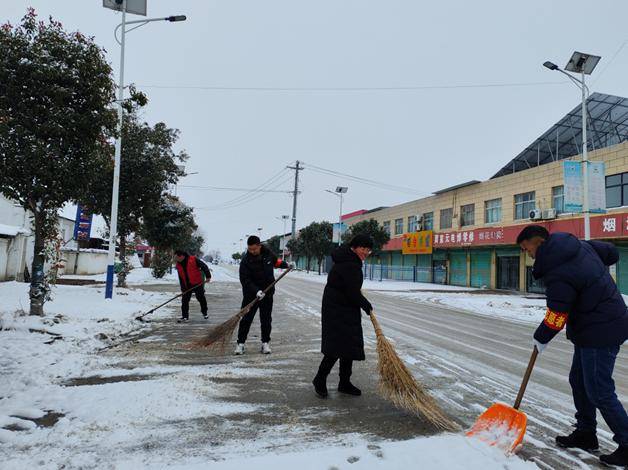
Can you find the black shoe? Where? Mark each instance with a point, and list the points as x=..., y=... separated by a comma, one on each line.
x=348, y=388
x=585, y=440
x=205, y=316
x=183, y=320
x=619, y=457
x=320, y=387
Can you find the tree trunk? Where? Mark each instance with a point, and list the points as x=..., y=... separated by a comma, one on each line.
x=38, y=288
x=123, y=263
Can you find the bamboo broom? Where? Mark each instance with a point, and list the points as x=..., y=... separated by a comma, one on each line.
x=397, y=384
x=220, y=336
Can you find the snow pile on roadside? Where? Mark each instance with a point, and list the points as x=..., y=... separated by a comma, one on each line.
x=386, y=285
x=447, y=451
x=509, y=307
x=79, y=321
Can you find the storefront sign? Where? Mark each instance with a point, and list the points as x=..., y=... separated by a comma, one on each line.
x=417, y=243
x=83, y=223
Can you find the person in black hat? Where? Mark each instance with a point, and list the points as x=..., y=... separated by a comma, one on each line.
x=341, y=318
x=256, y=274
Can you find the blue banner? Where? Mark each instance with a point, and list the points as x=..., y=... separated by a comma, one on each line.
x=573, y=186
x=82, y=224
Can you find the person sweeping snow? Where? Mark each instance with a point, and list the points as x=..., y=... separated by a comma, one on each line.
x=256, y=274
x=341, y=318
x=582, y=295
x=193, y=274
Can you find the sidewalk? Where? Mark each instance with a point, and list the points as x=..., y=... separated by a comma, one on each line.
x=149, y=401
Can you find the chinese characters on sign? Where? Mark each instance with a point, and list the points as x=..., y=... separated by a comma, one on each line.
x=82, y=224
x=573, y=186
x=574, y=189
x=417, y=243
x=472, y=237
x=597, y=188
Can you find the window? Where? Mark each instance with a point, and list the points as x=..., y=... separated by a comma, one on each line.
x=398, y=226
x=558, y=199
x=492, y=211
x=412, y=223
x=386, y=226
x=445, y=218
x=467, y=215
x=428, y=221
x=524, y=203
x=617, y=190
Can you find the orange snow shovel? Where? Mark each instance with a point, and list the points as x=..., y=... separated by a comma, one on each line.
x=501, y=425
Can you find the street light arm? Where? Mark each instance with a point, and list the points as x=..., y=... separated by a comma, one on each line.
x=332, y=192
x=141, y=23
x=576, y=81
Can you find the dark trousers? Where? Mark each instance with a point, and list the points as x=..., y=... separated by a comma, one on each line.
x=185, y=301
x=265, y=307
x=592, y=385
x=327, y=364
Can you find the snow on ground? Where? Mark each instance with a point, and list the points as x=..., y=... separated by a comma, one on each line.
x=446, y=451
x=385, y=285
x=143, y=276
x=510, y=306
x=78, y=322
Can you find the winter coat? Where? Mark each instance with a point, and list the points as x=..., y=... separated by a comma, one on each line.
x=257, y=272
x=580, y=292
x=192, y=272
x=342, y=301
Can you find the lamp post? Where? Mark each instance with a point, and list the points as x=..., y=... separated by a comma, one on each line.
x=113, y=227
x=584, y=65
x=283, y=234
x=340, y=190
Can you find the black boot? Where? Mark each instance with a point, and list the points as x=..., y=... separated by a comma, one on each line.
x=320, y=386
x=347, y=387
x=619, y=457
x=585, y=440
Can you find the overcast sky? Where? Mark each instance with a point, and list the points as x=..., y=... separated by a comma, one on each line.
x=426, y=138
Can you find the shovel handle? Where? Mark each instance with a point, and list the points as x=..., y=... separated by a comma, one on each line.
x=526, y=378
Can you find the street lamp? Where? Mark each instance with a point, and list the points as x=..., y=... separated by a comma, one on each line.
x=583, y=64
x=113, y=227
x=340, y=190
x=283, y=234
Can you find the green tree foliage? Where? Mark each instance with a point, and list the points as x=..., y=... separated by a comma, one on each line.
x=314, y=242
x=168, y=226
x=371, y=228
x=56, y=120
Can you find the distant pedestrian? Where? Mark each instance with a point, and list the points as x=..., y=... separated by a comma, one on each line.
x=582, y=295
x=341, y=318
x=193, y=274
x=256, y=274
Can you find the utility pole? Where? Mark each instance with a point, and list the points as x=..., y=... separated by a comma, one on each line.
x=295, y=193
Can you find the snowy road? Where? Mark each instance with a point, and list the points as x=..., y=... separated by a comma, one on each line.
x=471, y=361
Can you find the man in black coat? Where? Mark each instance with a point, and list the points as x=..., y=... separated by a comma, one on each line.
x=582, y=295
x=341, y=318
x=256, y=274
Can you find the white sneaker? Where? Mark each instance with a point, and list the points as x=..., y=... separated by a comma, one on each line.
x=265, y=348
x=239, y=350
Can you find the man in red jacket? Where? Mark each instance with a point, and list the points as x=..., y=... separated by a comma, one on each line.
x=193, y=274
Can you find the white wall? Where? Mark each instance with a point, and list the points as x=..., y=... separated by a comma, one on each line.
x=89, y=262
x=4, y=257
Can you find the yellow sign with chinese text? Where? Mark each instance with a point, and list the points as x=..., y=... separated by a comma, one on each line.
x=418, y=243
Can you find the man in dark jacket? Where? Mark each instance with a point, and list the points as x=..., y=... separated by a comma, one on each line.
x=256, y=274
x=341, y=318
x=582, y=295
x=193, y=274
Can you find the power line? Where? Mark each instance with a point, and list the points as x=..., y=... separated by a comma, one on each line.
x=219, y=188
x=350, y=89
x=252, y=194
x=365, y=181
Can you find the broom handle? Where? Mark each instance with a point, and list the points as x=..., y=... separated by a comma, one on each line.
x=526, y=378
x=378, y=329
x=170, y=300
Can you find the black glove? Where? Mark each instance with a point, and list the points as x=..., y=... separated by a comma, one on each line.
x=367, y=307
